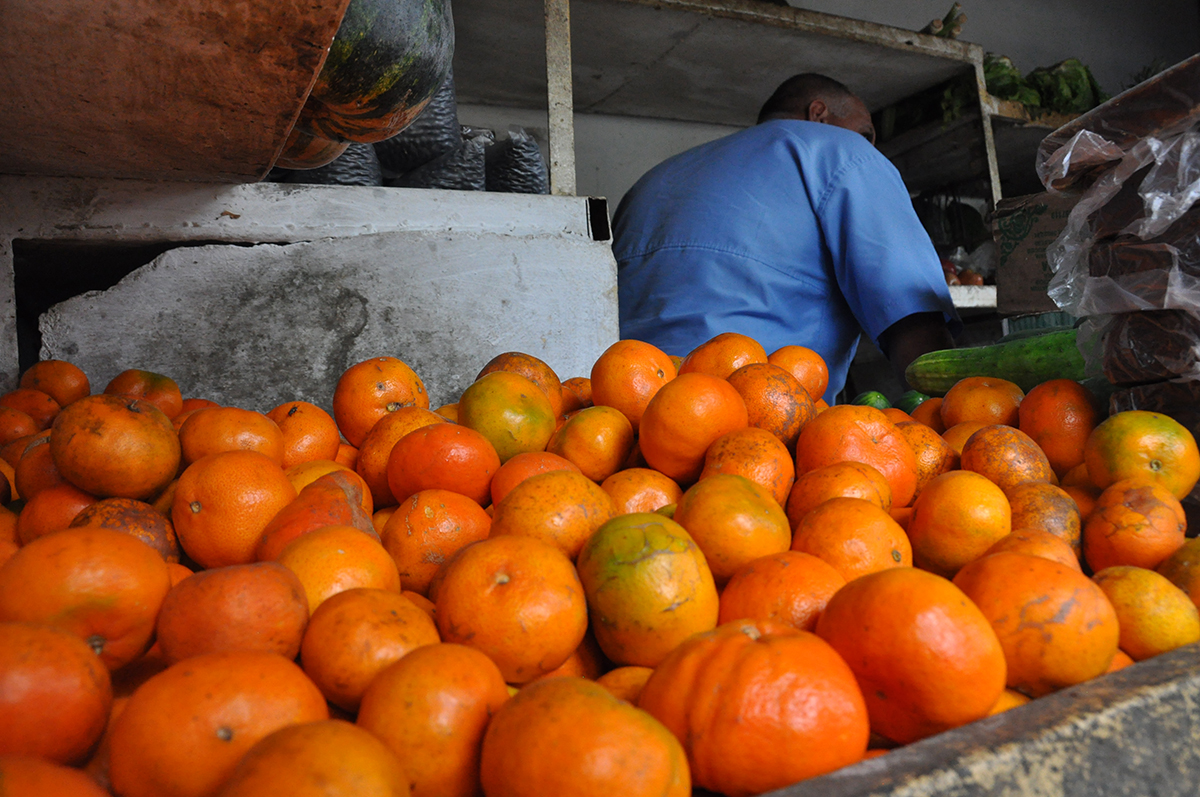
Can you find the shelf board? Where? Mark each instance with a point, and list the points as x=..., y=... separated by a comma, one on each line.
x=712, y=61
x=973, y=297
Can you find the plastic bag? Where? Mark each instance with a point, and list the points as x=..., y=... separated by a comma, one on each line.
x=434, y=133
x=516, y=166
x=1156, y=108
x=1132, y=242
x=358, y=165
x=1134, y=348
x=461, y=169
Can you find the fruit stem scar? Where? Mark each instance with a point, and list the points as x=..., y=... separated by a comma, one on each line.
x=194, y=506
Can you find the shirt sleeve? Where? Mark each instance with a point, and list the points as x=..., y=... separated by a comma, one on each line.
x=882, y=257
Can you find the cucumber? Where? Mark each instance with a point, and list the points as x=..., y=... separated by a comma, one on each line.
x=1027, y=361
x=872, y=398
x=909, y=401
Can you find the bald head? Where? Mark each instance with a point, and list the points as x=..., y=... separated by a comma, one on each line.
x=816, y=98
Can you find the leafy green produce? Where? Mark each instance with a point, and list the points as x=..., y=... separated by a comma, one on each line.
x=1066, y=87
x=1005, y=81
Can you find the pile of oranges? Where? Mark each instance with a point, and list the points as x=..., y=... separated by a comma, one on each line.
x=673, y=572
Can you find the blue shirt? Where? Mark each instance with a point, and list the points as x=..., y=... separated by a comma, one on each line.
x=789, y=232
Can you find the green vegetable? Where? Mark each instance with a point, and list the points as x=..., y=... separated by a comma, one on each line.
x=910, y=401
x=1026, y=361
x=872, y=398
x=1066, y=87
x=1006, y=82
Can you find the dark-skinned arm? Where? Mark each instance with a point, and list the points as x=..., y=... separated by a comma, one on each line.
x=911, y=337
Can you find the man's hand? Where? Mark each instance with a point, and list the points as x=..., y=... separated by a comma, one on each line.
x=912, y=336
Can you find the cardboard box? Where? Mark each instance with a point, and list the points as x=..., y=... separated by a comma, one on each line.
x=1023, y=227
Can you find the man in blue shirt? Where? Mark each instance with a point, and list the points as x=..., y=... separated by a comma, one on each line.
x=794, y=231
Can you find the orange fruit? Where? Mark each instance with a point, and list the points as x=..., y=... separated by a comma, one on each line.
x=224, y=501
x=429, y=528
x=806, y=365
x=306, y=473
x=625, y=683
x=1182, y=569
x=37, y=405
x=841, y=479
x=1009, y=698
x=334, y=499
x=533, y=369
x=377, y=447
x=859, y=434
x=522, y=466
x=64, y=381
x=51, y=510
x=1039, y=505
x=1059, y=415
x=309, y=432
x=1084, y=498
x=854, y=536
x=334, y=559
x=35, y=469
x=562, y=508
x=775, y=400
x=647, y=586
x=210, y=431
x=1037, y=542
x=789, y=587
x=723, y=354
x=596, y=439
x=1120, y=661
x=526, y=751
x=431, y=708
x=933, y=454
x=1136, y=522
x=926, y=658
x=443, y=456
x=353, y=635
x=1054, y=624
x=929, y=412
x=114, y=446
x=15, y=424
x=157, y=389
x=516, y=599
x=577, y=393
x=627, y=375
x=35, y=775
x=197, y=404
x=509, y=410
x=347, y=456
x=957, y=517
x=184, y=730
x=989, y=400
x=1142, y=443
x=799, y=711
x=683, y=419
x=380, y=518
x=319, y=758
x=1078, y=477
x=640, y=490
x=958, y=434
x=369, y=390
x=103, y=586
x=55, y=694
x=1154, y=615
x=586, y=661
x=1005, y=455
x=136, y=518
x=756, y=454
x=256, y=607
x=733, y=520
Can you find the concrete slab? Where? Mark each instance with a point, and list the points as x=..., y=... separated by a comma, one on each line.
x=1135, y=732
x=274, y=290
